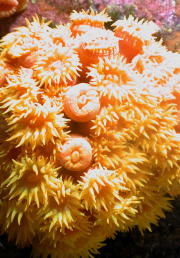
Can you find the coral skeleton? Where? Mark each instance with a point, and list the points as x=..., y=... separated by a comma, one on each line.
x=90, y=132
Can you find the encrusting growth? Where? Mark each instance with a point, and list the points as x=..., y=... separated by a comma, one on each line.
x=89, y=132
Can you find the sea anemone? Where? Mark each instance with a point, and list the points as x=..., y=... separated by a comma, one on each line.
x=113, y=79
x=61, y=35
x=153, y=63
x=64, y=208
x=120, y=216
x=83, y=21
x=14, y=218
x=133, y=35
x=81, y=102
x=26, y=42
x=75, y=154
x=36, y=124
x=40, y=180
x=100, y=189
x=107, y=119
x=59, y=66
x=134, y=170
x=19, y=87
x=95, y=44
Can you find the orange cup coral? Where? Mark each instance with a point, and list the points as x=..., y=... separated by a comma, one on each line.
x=133, y=34
x=90, y=132
x=81, y=102
x=76, y=154
x=81, y=22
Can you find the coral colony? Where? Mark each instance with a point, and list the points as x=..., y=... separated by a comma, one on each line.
x=90, y=122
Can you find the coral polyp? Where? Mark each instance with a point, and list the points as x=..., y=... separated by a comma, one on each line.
x=89, y=132
x=81, y=102
x=112, y=76
x=94, y=44
x=40, y=177
x=133, y=34
x=83, y=21
x=75, y=154
x=59, y=66
x=17, y=218
x=100, y=189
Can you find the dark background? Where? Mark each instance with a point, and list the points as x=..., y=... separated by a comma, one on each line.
x=162, y=242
